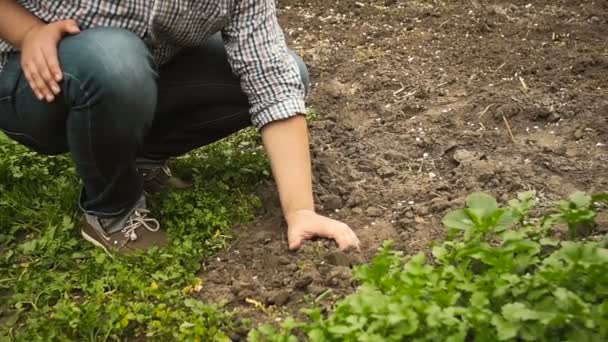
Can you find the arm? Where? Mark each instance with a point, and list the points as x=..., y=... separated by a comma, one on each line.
x=38, y=44
x=15, y=22
x=286, y=142
x=258, y=55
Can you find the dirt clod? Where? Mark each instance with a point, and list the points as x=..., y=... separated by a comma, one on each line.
x=331, y=202
x=373, y=212
x=315, y=290
x=279, y=297
x=463, y=156
x=303, y=282
x=339, y=259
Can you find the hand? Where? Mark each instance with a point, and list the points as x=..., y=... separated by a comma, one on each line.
x=39, y=59
x=306, y=224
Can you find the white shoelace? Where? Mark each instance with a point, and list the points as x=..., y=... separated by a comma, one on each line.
x=167, y=170
x=138, y=219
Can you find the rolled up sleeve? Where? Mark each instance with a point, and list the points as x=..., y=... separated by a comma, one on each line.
x=258, y=55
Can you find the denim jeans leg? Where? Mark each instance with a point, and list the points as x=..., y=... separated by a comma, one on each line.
x=106, y=105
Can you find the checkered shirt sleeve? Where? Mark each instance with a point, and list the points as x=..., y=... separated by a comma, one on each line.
x=258, y=55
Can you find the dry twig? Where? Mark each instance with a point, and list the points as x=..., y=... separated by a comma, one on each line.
x=500, y=67
x=509, y=129
x=524, y=86
x=483, y=112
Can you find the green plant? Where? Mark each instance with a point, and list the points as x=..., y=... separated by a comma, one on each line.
x=56, y=287
x=499, y=276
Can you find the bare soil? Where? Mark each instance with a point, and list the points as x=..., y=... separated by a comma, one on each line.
x=420, y=103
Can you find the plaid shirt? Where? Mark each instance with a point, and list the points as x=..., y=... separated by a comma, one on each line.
x=253, y=39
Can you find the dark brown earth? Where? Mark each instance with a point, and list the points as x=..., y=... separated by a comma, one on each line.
x=415, y=101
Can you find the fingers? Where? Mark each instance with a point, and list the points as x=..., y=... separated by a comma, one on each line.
x=295, y=238
x=52, y=61
x=40, y=78
x=295, y=243
x=36, y=83
x=346, y=238
x=326, y=228
x=69, y=26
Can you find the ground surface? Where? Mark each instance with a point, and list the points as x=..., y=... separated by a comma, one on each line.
x=415, y=101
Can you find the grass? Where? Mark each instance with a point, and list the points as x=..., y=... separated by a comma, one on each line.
x=56, y=287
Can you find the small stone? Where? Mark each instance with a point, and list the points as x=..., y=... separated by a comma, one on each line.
x=338, y=259
x=240, y=285
x=464, y=156
x=339, y=276
x=215, y=277
x=291, y=267
x=554, y=117
x=406, y=224
x=386, y=172
x=245, y=293
x=331, y=202
x=283, y=260
x=439, y=204
x=357, y=197
x=373, y=212
x=357, y=211
x=315, y=290
x=280, y=297
x=421, y=209
x=419, y=219
x=578, y=134
x=303, y=282
x=341, y=272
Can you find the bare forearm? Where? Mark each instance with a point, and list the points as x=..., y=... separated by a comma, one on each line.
x=286, y=143
x=15, y=22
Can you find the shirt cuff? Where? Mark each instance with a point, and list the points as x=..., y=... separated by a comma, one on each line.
x=279, y=111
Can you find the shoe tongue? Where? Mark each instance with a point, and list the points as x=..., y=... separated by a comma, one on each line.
x=114, y=224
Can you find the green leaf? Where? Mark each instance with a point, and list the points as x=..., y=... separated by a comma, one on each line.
x=458, y=219
x=549, y=242
x=506, y=220
x=580, y=199
x=482, y=203
x=515, y=312
x=506, y=330
x=479, y=300
x=341, y=330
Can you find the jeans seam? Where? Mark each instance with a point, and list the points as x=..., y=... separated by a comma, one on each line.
x=87, y=107
x=218, y=119
x=17, y=133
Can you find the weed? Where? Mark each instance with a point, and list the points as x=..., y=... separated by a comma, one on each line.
x=499, y=276
x=56, y=287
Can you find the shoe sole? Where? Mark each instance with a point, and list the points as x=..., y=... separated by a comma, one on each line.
x=95, y=242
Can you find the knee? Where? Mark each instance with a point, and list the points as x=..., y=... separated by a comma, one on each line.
x=108, y=64
x=302, y=69
x=110, y=71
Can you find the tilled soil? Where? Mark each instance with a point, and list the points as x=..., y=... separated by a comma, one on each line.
x=418, y=104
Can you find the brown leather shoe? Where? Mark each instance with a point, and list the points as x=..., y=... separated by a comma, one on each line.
x=159, y=177
x=139, y=232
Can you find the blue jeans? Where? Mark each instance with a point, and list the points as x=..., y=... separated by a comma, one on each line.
x=116, y=106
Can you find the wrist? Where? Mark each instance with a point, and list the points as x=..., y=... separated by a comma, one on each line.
x=31, y=29
x=292, y=214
